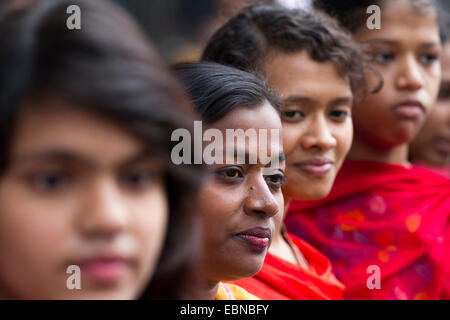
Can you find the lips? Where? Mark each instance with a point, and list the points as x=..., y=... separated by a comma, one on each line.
x=409, y=110
x=105, y=270
x=315, y=166
x=257, y=238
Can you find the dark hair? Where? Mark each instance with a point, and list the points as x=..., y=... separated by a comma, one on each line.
x=352, y=13
x=245, y=40
x=107, y=68
x=216, y=89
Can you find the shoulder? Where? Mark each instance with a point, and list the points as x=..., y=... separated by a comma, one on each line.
x=229, y=291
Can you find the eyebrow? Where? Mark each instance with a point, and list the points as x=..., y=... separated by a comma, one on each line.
x=63, y=155
x=297, y=99
x=341, y=100
x=394, y=43
x=237, y=153
x=300, y=99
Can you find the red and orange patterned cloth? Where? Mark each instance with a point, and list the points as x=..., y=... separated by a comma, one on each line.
x=390, y=216
x=281, y=280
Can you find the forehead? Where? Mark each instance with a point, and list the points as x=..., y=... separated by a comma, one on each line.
x=262, y=124
x=403, y=22
x=296, y=73
x=52, y=124
x=263, y=116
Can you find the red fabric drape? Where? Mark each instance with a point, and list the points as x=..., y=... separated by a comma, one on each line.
x=281, y=280
x=382, y=215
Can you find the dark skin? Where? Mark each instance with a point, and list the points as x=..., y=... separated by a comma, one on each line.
x=236, y=198
x=406, y=52
x=316, y=118
x=432, y=144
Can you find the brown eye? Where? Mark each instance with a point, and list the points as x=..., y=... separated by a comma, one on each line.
x=382, y=57
x=292, y=115
x=230, y=173
x=428, y=58
x=137, y=179
x=49, y=181
x=339, y=115
x=276, y=180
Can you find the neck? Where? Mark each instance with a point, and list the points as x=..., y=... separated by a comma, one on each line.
x=207, y=290
x=282, y=249
x=361, y=150
x=278, y=238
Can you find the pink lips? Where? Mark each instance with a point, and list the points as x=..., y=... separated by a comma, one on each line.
x=409, y=110
x=104, y=270
x=317, y=166
x=257, y=238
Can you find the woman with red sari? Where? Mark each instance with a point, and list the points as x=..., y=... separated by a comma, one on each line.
x=385, y=224
x=289, y=47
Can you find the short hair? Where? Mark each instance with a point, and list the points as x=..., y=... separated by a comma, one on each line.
x=110, y=69
x=217, y=89
x=245, y=40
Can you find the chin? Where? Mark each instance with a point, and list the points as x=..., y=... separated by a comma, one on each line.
x=250, y=271
x=313, y=193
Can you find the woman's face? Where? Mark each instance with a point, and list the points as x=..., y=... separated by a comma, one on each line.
x=406, y=52
x=316, y=118
x=79, y=191
x=241, y=205
x=432, y=144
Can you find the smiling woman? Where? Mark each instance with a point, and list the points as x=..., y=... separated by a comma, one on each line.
x=85, y=171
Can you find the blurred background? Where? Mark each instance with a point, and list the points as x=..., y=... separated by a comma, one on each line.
x=180, y=28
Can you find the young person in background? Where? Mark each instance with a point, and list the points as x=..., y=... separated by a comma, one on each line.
x=431, y=147
x=384, y=225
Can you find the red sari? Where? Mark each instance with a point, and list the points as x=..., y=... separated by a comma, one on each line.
x=387, y=216
x=279, y=279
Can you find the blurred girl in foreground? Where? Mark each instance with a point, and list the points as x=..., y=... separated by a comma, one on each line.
x=85, y=176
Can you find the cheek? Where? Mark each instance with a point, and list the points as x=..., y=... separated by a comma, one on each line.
x=278, y=218
x=217, y=205
x=150, y=221
x=344, y=139
x=433, y=80
x=291, y=135
x=32, y=242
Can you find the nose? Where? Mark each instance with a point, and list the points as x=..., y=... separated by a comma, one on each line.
x=104, y=211
x=409, y=74
x=318, y=135
x=260, y=199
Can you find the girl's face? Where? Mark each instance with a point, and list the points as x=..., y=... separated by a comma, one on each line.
x=241, y=205
x=432, y=144
x=316, y=117
x=406, y=52
x=78, y=191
